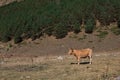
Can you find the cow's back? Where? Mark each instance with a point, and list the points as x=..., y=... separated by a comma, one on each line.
x=85, y=52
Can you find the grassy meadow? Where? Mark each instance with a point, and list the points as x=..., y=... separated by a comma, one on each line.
x=104, y=67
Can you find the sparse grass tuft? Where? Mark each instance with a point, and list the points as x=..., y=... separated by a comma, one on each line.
x=83, y=37
x=73, y=36
x=102, y=34
x=115, y=30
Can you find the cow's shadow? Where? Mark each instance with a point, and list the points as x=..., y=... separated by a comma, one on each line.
x=80, y=63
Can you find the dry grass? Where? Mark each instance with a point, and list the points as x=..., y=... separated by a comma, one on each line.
x=104, y=67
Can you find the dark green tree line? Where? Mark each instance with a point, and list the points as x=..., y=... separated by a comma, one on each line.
x=33, y=18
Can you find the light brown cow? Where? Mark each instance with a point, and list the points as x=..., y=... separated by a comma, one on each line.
x=84, y=53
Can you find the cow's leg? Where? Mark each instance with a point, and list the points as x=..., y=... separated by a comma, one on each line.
x=90, y=58
x=78, y=59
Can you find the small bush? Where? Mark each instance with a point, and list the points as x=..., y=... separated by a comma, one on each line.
x=49, y=31
x=33, y=37
x=76, y=28
x=60, y=31
x=17, y=38
x=5, y=37
x=89, y=26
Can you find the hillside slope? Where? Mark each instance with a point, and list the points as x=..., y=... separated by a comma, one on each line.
x=34, y=18
x=51, y=46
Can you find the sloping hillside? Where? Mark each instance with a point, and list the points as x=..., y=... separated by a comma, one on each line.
x=98, y=41
x=34, y=18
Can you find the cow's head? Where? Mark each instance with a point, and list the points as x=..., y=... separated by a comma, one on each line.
x=70, y=52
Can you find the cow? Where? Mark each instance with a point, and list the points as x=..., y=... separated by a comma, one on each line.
x=83, y=53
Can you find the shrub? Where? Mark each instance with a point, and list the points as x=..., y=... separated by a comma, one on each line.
x=5, y=38
x=89, y=27
x=60, y=31
x=49, y=30
x=76, y=28
x=17, y=39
